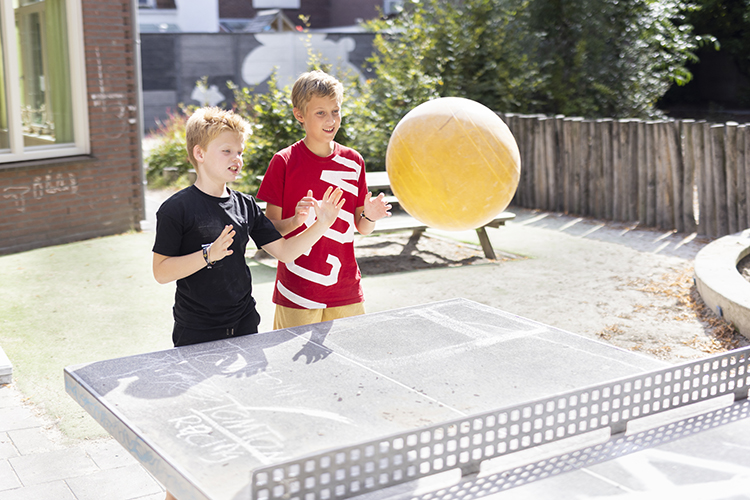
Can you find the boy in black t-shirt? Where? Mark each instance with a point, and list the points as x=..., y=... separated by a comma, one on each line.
x=203, y=230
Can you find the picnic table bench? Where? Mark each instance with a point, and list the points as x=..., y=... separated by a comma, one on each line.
x=378, y=181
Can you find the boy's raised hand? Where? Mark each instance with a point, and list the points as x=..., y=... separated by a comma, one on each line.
x=302, y=210
x=220, y=248
x=327, y=209
x=376, y=208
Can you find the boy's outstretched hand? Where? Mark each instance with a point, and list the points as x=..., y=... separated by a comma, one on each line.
x=327, y=209
x=376, y=208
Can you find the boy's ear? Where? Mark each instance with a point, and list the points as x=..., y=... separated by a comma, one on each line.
x=298, y=115
x=198, y=152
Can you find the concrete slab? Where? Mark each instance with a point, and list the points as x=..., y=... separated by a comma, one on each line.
x=56, y=490
x=32, y=440
x=52, y=466
x=108, y=454
x=17, y=417
x=8, y=477
x=7, y=448
x=123, y=483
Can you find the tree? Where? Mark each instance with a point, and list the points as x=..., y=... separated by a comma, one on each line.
x=729, y=22
x=611, y=58
x=596, y=58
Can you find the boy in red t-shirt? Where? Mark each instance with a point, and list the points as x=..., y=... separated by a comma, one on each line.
x=324, y=283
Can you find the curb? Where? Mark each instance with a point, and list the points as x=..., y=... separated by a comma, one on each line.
x=720, y=284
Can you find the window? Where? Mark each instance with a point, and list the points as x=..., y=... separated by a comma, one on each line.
x=393, y=6
x=276, y=4
x=42, y=80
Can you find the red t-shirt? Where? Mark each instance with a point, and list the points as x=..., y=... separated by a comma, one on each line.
x=328, y=275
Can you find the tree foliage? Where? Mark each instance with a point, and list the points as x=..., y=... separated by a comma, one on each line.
x=611, y=58
x=595, y=58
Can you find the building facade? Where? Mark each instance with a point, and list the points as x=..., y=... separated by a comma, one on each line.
x=70, y=131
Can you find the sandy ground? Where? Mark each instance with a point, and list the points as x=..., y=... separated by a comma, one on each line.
x=624, y=285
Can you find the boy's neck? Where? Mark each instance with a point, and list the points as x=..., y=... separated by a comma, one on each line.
x=322, y=149
x=211, y=189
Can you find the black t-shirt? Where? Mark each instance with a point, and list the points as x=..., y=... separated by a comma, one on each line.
x=221, y=296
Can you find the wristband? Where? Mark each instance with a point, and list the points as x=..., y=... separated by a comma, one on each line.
x=366, y=217
x=205, y=247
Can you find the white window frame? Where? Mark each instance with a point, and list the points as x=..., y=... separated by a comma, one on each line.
x=81, y=146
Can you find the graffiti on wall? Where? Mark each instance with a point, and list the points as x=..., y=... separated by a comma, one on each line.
x=40, y=187
x=289, y=53
x=112, y=102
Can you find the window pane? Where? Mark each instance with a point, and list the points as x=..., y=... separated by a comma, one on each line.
x=46, y=107
x=276, y=4
x=4, y=134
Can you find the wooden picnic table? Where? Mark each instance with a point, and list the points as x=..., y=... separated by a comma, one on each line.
x=378, y=182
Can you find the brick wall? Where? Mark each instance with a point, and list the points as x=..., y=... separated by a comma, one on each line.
x=56, y=201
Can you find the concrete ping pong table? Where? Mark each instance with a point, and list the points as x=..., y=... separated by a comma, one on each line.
x=448, y=400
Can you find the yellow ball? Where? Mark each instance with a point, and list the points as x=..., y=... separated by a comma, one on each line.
x=453, y=164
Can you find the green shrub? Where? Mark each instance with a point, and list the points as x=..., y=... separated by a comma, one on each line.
x=167, y=163
x=273, y=128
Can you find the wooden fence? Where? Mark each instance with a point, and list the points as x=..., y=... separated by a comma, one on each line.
x=682, y=175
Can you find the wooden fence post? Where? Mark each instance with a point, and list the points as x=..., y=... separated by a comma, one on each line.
x=599, y=162
x=509, y=119
x=652, y=139
x=730, y=167
x=642, y=170
x=540, y=168
x=618, y=181
x=577, y=166
x=629, y=173
x=677, y=173
x=559, y=138
x=588, y=164
x=567, y=161
x=664, y=216
x=719, y=179
x=744, y=179
x=606, y=182
x=689, y=183
x=706, y=186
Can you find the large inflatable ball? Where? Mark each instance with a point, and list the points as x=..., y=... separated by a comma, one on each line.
x=453, y=164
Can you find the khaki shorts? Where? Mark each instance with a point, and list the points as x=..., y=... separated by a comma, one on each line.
x=287, y=317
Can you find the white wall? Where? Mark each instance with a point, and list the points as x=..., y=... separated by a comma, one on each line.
x=198, y=16
x=289, y=53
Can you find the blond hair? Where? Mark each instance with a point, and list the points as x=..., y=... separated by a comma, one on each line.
x=315, y=84
x=207, y=123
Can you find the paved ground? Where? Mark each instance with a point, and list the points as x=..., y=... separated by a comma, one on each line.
x=579, y=275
